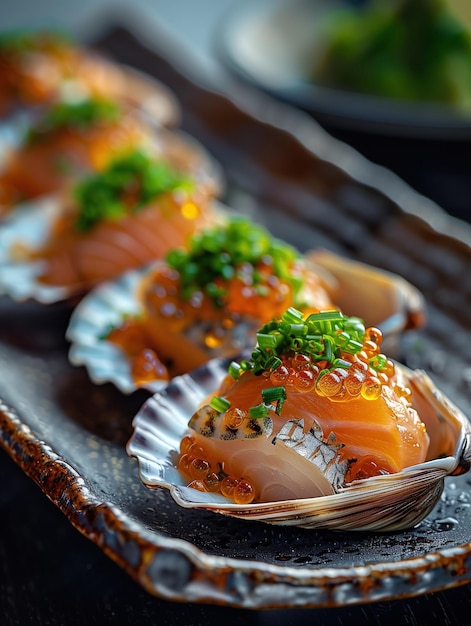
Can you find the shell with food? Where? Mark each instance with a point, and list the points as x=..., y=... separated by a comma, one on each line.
x=66, y=141
x=129, y=214
x=208, y=301
x=323, y=432
x=38, y=67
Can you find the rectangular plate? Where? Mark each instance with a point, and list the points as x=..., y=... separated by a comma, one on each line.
x=69, y=436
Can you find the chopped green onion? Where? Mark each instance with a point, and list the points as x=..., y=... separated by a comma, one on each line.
x=322, y=336
x=273, y=394
x=329, y=347
x=272, y=363
x=234, y=370
x=259, y=411
x=78, y=115
x=266, y=340
x=353, y=346
x=326, y=316
x=292, y=316
x=100, y=196
x=234, y=249
x=219, y=404
x=378, y=362
x=341, y=363
x=296, y=344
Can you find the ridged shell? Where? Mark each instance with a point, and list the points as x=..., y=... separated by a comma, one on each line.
x=29, y=226
x=150, y=96
x=102, y=309
x=382, y=503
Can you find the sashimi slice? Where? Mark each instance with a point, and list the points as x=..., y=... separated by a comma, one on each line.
x=83, y=259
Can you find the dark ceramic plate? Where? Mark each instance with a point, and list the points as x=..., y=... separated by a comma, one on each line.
x=69, y=435
x=273, y=44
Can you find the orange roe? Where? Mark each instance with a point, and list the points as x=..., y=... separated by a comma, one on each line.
x=206, y=474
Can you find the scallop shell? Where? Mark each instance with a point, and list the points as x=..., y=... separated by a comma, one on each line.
x=99, y=311
x=150, y=96
x=28, y=226
x=372, y=295
x=134, y=88
x=401, y=305
x=383, y=503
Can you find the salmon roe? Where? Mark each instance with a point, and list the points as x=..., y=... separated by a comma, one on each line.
x=144, y=362
x=165, y=298
x=362, y=374
x=208, y=475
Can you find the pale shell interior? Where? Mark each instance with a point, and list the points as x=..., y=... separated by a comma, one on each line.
x=103, y=309
x=28, y=227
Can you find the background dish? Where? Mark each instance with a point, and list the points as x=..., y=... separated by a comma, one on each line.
x=272, y=46
x=76, y=432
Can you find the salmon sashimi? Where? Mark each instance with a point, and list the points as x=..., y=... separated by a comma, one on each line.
x=209, y=299
x=130, y=214
x=316, y=407
x=37, y=68
x=69, y=140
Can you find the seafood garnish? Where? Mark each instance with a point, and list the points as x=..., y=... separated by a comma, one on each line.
x=66, y=141
x=208, y=299
x=86, y=240
x=185, y=316
x=39, y=67
x=178, y=442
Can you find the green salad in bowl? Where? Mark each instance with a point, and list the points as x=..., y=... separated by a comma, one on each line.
x=416, y=50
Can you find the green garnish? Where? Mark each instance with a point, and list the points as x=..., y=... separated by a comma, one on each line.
x=323, y=336
x=259, y=412
x=378, y=362
x=103, y=196
x=22, y=40
x=229, y=251
x=274, y=395
x=219, y=404
x=270, y=396
x=78, y=115
x=234, y=370
x=416, y=50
